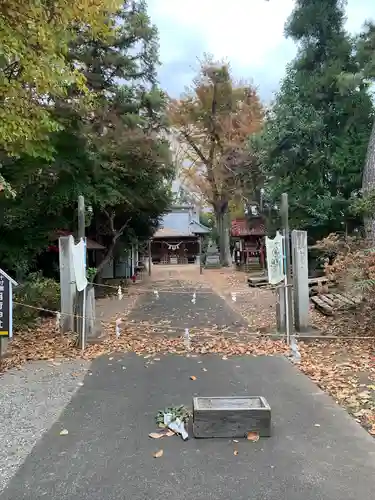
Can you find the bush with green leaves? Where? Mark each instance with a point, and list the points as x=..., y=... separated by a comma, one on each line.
x=37, y=292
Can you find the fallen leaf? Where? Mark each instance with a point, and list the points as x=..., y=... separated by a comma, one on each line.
x=224, y=357
x=110, y=359
x=193, y=377
x=64, y=432
x=252, y=436
x=155, y=435
x=158, y=454
x=235, y=452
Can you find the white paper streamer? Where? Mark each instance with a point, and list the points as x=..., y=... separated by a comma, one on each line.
x=118, y=330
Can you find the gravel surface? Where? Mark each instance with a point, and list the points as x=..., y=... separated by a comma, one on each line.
x=31, y=400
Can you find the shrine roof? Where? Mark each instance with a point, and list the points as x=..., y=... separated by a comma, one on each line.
x=166, y=232
x=243, y=227
x=180, y=222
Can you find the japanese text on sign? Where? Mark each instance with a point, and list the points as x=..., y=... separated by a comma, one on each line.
x=4, y=306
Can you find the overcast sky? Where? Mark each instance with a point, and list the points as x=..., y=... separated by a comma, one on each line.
x=248, y=33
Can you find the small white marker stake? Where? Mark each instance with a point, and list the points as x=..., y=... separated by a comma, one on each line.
x=187, y=339
x=118, y=323
x=119, y=293
x=58, y=321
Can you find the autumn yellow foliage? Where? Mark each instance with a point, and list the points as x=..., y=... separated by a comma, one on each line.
x=34, y=38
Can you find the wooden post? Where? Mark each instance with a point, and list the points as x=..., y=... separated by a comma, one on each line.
x=200, y=255
x=67, y=283
x=81, y=295
x=149, y=257
x=6, y=310
x=288, y=277
x=280, y=310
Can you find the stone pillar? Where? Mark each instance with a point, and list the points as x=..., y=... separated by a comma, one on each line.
x=67, y=283
x=300, y=280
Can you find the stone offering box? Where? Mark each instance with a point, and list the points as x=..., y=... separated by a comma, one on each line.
x=232, y=417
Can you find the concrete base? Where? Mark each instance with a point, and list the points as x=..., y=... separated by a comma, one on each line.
x=309, y=335
x=3, y=346
x=232, y=417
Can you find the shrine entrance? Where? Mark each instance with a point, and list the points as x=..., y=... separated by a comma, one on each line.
x=175, y=250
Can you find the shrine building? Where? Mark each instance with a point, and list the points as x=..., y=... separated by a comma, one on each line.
x=177, y=239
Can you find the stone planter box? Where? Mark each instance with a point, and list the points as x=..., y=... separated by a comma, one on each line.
x=232, y=417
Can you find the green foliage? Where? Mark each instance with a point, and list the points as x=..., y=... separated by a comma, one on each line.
x=90, y=274
x=315, y=138
x=34, y=68
x=364, y=205
x=38, y=292
x=366, y=50
x=177, y=412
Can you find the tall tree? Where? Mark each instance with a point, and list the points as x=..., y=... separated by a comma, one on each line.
x=315, y=138
x=366, y=63
x=214, y=120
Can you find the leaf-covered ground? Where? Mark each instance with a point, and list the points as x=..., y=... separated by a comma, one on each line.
x=345, y=368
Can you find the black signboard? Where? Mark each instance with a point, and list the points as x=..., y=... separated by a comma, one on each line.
x=6, y=304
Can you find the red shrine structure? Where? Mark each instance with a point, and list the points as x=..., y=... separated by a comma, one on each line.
x=249, y=235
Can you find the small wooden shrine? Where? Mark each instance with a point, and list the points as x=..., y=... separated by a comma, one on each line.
x=249, y=234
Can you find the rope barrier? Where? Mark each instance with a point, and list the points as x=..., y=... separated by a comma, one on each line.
x=201, y=330
x=174, y=290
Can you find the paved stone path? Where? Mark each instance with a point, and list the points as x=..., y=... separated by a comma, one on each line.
x=317, y=452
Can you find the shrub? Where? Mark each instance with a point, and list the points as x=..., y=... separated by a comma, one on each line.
x=353, y=267
x=38, y=292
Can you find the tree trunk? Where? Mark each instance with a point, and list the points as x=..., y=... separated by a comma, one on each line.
x=107, y=257
x=368, y=183
x=222, y=222
x=115, y=237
